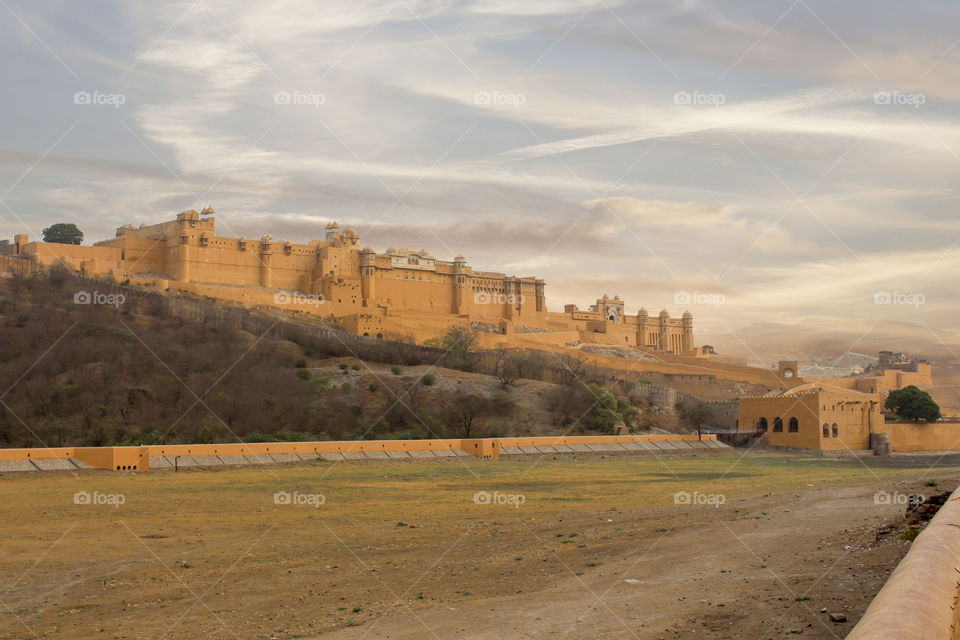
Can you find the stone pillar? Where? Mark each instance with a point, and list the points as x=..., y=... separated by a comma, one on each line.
x=460, y=296
x=266, y=267
x=367, y=278
x=688, y=346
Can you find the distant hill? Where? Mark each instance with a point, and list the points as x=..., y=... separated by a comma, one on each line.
x=821, y=339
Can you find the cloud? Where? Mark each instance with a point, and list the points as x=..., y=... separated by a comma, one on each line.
x=660, y=214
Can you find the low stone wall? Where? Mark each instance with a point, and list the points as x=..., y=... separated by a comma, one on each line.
x=143, y=458
x=919, y=601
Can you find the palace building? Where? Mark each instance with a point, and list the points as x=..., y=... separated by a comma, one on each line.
x=399, y=292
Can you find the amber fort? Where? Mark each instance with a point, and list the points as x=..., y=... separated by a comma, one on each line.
x=400, y=292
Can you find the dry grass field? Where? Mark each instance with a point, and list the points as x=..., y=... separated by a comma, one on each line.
x=566, y=548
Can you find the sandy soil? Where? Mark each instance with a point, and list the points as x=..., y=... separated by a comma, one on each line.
x=597, y=549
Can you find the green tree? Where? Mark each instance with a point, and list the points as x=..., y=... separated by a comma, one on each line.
x=709, y=348
x=62, y=233
x=913, y=403
x=603, y=416
x=694, y=414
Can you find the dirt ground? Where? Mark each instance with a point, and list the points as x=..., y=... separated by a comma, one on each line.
x=730, y=546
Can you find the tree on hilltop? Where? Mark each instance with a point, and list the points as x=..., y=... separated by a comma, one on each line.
x=62, y=233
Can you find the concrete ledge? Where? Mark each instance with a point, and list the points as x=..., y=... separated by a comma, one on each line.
x=354, y=455
x=225, y=460
x=545, y=448
x=160, y=462
x=919, y=600
x=563, y=448
x=444, y=453
x=377, y=455
x=580, y=448
x=423, y=454
x=664, y=446
x=16, y=465
x=54, y=464
x=336, y=455
x=208, y=461
x=285, y=457
x=605, y=447
x=258, y=458
x=397, y=454
x=308, y=457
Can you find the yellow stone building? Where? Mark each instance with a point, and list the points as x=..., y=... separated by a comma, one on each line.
x=399, y=292
x=842, y=414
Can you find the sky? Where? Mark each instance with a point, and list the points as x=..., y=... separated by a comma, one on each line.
x=749, y=161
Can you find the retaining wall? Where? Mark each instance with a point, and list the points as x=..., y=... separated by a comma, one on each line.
x=919, y=601
x=139, y=458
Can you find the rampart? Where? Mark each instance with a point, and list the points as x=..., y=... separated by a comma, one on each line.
x=919, y=601
x=143, y=458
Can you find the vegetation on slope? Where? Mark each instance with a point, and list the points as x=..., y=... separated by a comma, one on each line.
x=88, y=363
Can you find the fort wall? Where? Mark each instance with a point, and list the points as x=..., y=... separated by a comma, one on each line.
x=401, y=291
x=920, y=598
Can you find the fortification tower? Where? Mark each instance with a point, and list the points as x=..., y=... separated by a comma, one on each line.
x=368, y=277
x=643, y=327
x=460, y=285
x=664, y=330
x=266, y=259
x=687, y=341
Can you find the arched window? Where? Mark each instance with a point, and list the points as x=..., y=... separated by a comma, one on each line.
x=836, y=430
x=794, y=425
x=826, y=430
x=778, y=425
x=762, y=425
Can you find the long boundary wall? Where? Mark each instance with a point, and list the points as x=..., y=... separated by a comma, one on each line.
x=919, y=601
x=139, y=458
